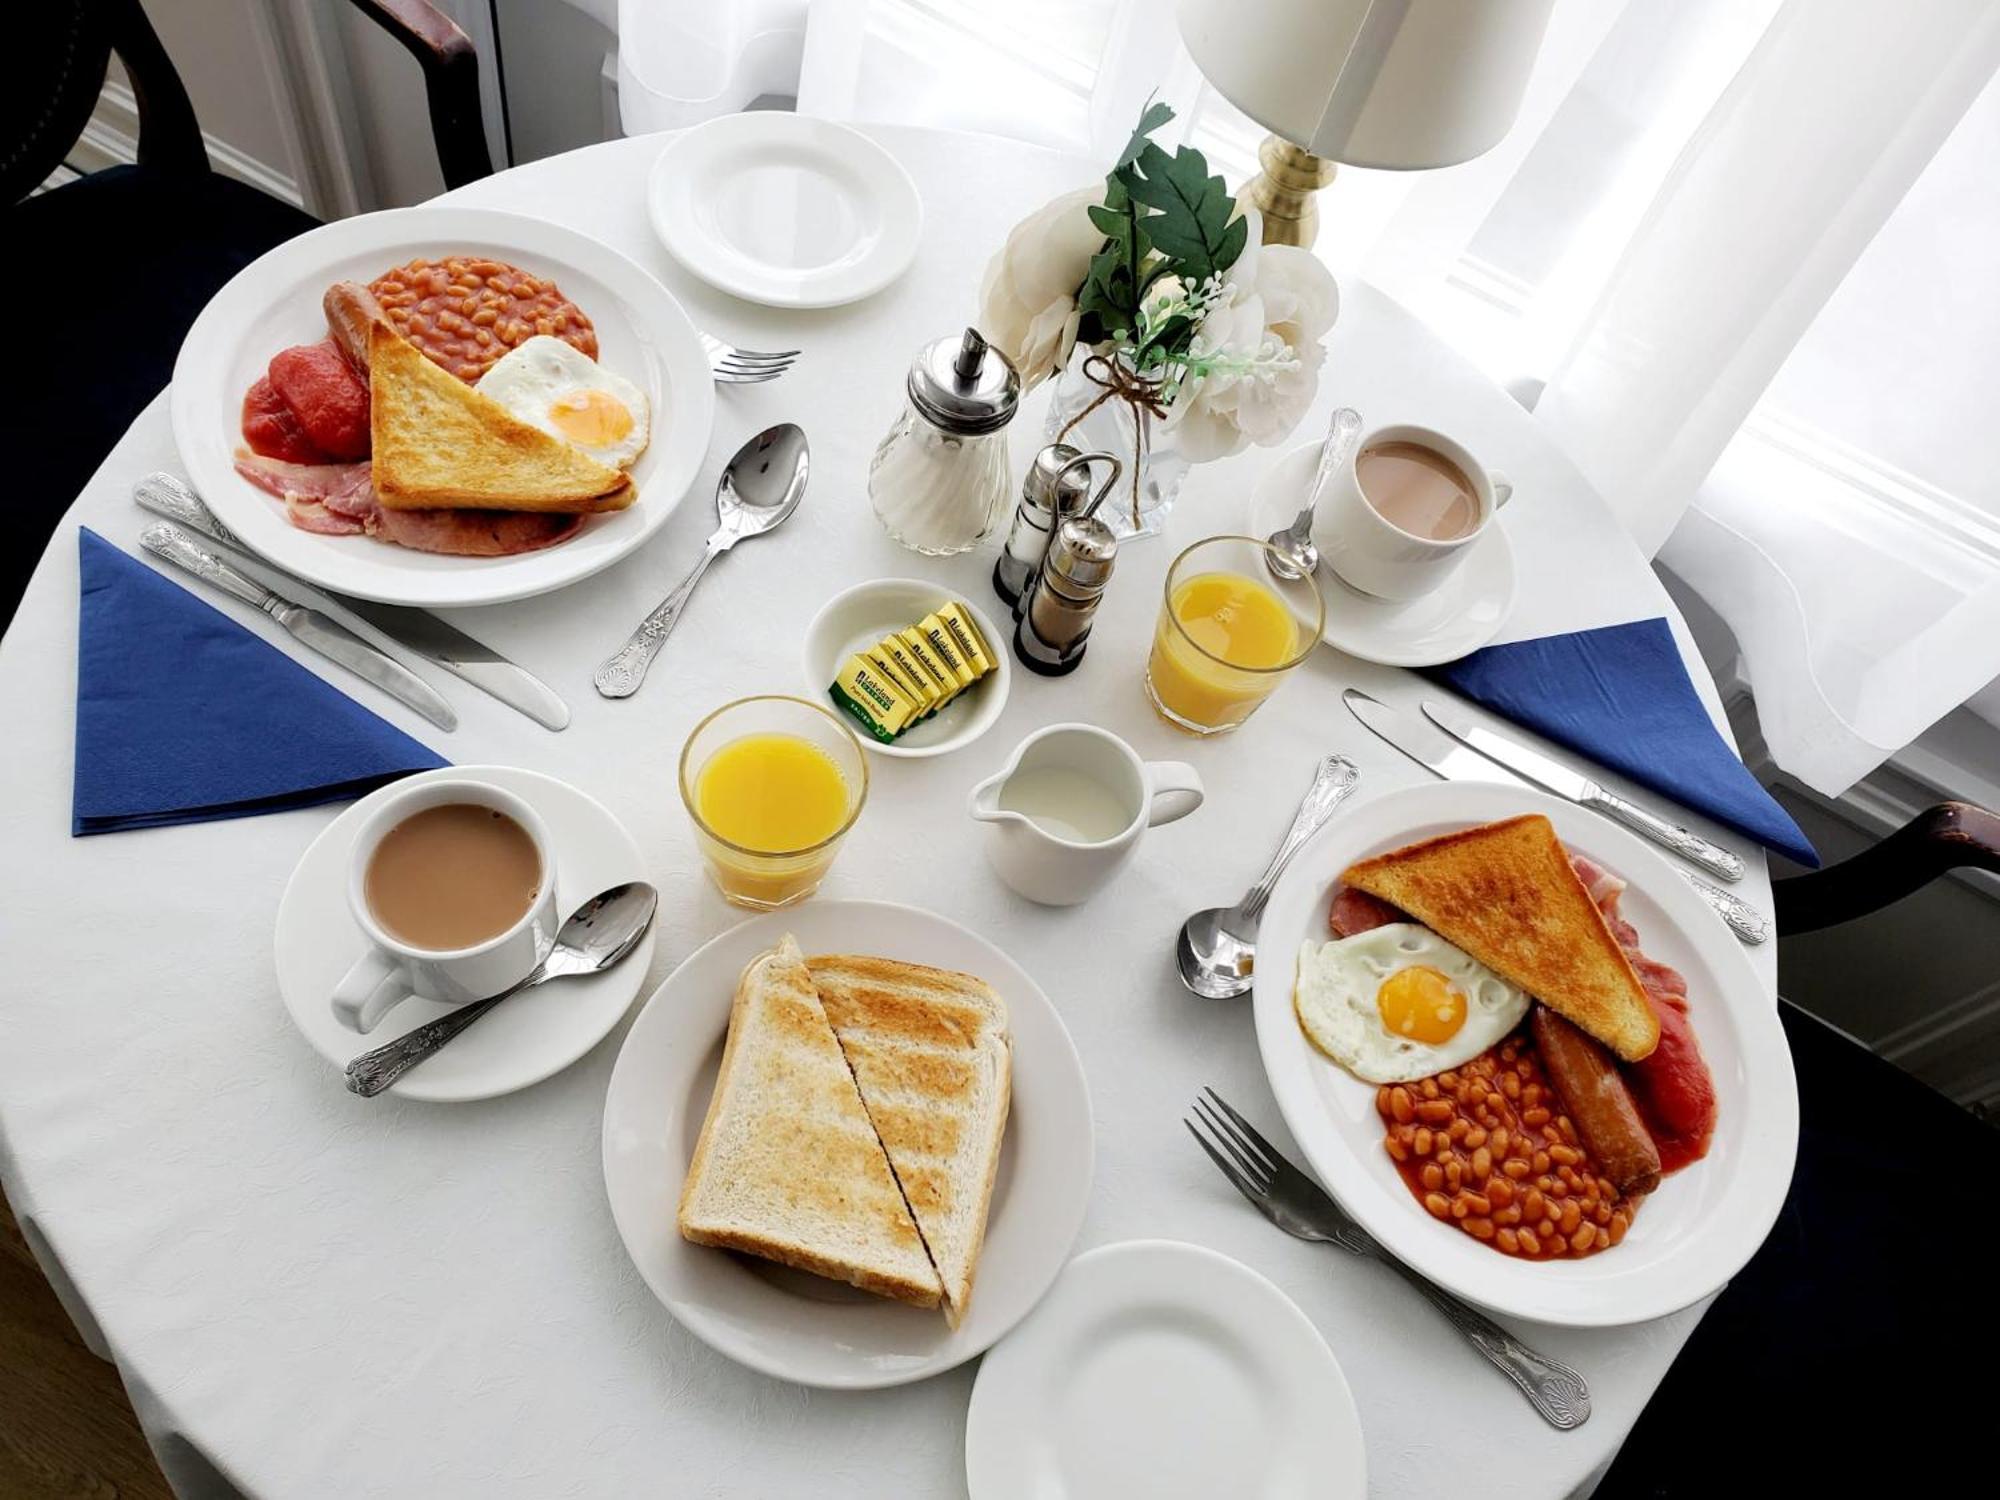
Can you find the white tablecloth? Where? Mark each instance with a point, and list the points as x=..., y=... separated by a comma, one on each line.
x=322, y=1296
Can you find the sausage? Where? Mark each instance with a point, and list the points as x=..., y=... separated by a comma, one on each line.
x=1593, y=1092
x=350, y=308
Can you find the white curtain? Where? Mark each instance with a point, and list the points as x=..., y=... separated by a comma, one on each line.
x=1693, y=255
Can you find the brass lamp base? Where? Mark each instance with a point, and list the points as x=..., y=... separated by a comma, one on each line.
x=1283, y=191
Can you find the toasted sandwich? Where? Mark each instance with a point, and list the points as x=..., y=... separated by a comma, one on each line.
x=931, y=1052
x=788, y=1166
x=440, y=445
x=1507, y=894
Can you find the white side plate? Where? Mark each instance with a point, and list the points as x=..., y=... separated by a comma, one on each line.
x=784, y=209
x=1165, y=1370
x=1703, y=1223
x=274, y=302
x=787, y=1323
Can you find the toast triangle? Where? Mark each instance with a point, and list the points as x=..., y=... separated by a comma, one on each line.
x=788, y=1165
x=438, y=444
x=931, y=1053
x=1507, y=894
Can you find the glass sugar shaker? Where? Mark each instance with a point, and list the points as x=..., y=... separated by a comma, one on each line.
x=1056, y=486
x=939, y=480
x=1061, y=603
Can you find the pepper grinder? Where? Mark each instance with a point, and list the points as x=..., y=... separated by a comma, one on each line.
x=1056, y=488
x=939, y=478
x=1061, y=603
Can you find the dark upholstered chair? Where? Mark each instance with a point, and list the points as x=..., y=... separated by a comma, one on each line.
x=1854, y=1346
x=126, y=258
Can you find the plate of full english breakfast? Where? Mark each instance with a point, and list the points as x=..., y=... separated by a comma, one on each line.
x=1520, y=1049
x=442, y=406
x=848, y=1143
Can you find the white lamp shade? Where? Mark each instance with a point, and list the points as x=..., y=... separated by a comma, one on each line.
x=1374, y=83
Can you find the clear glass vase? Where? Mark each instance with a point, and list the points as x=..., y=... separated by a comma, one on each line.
x=1102, y=404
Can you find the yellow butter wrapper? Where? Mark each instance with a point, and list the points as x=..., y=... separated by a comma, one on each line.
x=871, y=698
x=886, y=666
x=964, y=632
x=927, y=655
x=929, y=691
x=946, y=650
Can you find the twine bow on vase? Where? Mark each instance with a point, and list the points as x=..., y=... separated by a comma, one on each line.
x=1086, y=414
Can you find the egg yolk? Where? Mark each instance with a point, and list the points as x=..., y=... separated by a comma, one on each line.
x=1420, y=1003
x=590, y=418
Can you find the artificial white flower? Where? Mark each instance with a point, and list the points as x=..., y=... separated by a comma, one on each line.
x=1254, y=362
x=1162, y=299
x=1027, y=302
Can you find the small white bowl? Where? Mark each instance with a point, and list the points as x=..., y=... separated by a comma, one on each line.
x=857, y=618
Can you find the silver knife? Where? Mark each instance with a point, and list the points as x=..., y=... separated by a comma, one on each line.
x=1580, y=789
x=1443, y=756
x=419, y=629
x=308, y=626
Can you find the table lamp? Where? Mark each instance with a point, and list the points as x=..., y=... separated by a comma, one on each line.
x=1398, y=84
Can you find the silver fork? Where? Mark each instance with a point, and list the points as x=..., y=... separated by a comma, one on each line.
x=733, y=366
x=1302, y=1208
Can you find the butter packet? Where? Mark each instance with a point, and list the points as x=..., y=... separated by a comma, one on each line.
x=927, y=690
x=945, y=649
x=876, y=702
x=926, y=656
x=959, y=625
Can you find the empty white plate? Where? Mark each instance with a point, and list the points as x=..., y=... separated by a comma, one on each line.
x=1162, y=1369
x=1459, y=616
x=785, y=209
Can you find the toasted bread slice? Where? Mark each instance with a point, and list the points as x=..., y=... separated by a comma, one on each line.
x=788, y=1166
x=1507, y=894
x=440, y=445
x=931, y=1052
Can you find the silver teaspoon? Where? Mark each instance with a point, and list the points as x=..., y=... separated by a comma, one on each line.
x=760, y=487
x=1293, y=554
x=1217, y=949
x=604, y=929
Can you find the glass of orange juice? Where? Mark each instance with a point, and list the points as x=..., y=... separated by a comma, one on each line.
x=773, y=784
x=1230, y=631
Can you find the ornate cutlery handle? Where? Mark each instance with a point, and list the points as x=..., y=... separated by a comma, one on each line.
x=165, y=495
x=372, y=1072
x=1552, y=1387
x=1744, y=920
x=1336, y=777
x=621, y=675
x=1682, y=841
x=1339, y=442
x=183, y=551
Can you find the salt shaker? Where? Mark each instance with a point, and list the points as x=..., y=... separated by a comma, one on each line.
x=939, y=480
x=1056, y=487
x=1061, y=602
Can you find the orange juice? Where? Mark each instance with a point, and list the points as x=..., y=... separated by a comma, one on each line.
x=1223, y=641
x=768, y=806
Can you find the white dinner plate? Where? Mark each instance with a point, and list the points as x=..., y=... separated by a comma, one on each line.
x=784, y=209
x=787, y=1323
x=1165, y=1370
x=534, y=1035
x=274, y=303
x=1459, y=616
x=1701, y=1225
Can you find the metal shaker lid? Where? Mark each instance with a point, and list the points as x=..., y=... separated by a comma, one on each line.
x=963, y=384
x=1053, y=487
x=1081, y=553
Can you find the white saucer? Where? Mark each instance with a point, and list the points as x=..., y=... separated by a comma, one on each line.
x=532, y=1036
x=787, y=1323
x=1458, y=617
x=1166, y=1370
x=858, y=617
x=784, y=209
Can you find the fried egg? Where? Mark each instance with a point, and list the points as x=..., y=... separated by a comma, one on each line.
x=568, y=395
x=1398, y=1002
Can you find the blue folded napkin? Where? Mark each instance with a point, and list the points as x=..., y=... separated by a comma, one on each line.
x=183, y=716
x=1621, y=696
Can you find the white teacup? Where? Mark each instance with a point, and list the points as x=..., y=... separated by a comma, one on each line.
x=1376, y=556
x=392, y=970
x=1068, y=808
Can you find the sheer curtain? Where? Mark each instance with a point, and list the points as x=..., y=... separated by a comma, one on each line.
x=1728, y=254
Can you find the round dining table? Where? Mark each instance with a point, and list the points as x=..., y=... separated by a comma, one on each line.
x=312, y=1294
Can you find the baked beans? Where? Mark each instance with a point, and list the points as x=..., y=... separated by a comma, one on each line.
x=1485, y=1148
x=466, y=313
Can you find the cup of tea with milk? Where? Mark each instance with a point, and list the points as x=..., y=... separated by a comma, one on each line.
x=1395, y=520
x=452, y=883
